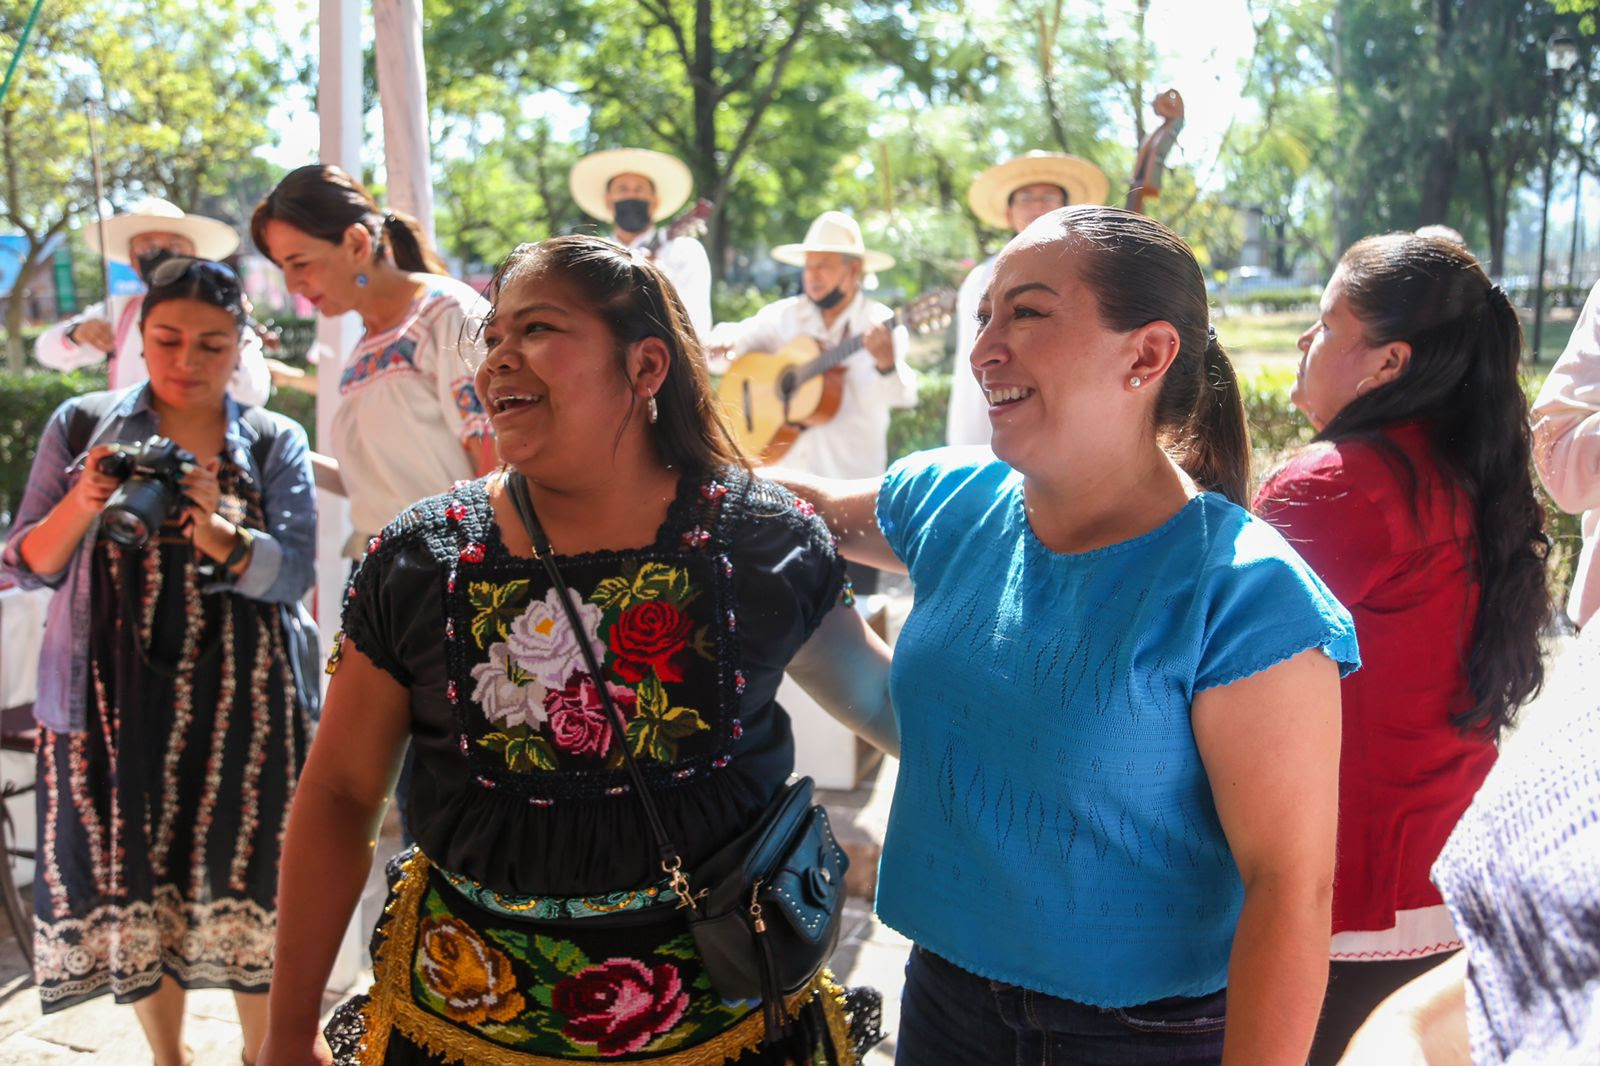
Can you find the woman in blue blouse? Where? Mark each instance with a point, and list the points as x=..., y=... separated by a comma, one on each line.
x=171, y=726
x=1117, y=693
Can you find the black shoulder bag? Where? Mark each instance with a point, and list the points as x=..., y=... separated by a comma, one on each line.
x=767, y=914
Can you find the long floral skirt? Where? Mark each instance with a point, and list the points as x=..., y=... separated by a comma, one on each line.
x=458, y=982
x=160, y=824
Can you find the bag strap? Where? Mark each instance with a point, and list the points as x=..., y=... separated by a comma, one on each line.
x=671, y=858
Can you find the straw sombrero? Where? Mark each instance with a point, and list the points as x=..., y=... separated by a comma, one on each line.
x=1083, y=181
x=211, y=239
x=833, y=231
x=591, y=174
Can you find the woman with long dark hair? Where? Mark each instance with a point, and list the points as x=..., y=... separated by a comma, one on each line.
x=408, y=423
x=1116, y=693
x=1415, y=504
x=171, y=709
x=534, y=922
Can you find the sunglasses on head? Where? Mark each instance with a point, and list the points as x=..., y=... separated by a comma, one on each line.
x=214, y=277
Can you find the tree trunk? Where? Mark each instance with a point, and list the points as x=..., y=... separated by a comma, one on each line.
x=1439, y=180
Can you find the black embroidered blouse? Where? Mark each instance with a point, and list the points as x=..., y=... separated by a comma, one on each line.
x=519, y=782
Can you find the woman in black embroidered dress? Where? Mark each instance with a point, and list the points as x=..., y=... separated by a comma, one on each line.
x=697, y=586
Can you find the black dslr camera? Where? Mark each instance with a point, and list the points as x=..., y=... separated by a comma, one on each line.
x=152, y=488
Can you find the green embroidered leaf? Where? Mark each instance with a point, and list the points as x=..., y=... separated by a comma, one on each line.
x=679, y=947
x=681, y=722
x=652, y=697
x=495, y=608
x=542, y=995
x=658, y=581
x=613, y=592
x=703, y=644
x=508, y=1034
x=522, y=749
x=564, y=955
x=511, y=940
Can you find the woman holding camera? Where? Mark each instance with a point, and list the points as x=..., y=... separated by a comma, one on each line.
x=171, y=729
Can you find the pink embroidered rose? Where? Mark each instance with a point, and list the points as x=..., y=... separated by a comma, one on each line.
x=620, y=1005
x=579, y=724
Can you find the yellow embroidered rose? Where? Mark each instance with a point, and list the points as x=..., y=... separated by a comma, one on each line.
x=473, y=978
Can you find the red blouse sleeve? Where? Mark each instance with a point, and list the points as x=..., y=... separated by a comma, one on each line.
x=1329, y=510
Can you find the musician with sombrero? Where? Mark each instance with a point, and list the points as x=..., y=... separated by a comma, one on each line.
x=1008, y=196
x=145, y=237
x=831, y=309
x=633, y=189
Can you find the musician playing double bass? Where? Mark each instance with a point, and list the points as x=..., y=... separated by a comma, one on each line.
x=832, y=309
x=1008, y=196
x=633, y=189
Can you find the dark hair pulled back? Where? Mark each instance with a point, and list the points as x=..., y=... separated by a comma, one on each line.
x=1461, y=384
x=322, y=201
x=636, y=301
x=1142, y=272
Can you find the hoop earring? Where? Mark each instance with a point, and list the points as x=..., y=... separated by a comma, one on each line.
x=1135, y=381
x=651, y=410
x=1360, y=383
x=361, y=281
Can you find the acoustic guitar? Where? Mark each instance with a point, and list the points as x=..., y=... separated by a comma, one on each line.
x=770, y=398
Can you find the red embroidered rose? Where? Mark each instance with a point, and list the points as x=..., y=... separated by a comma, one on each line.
x=578, y=721
x=646, y=637
x=620, y=1005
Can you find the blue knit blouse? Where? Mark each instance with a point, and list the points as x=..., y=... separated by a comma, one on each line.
x=1053, y=825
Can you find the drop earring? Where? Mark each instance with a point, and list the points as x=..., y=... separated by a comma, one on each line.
x=652, y=410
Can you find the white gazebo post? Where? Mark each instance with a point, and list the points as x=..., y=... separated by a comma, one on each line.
x=403, y=96
x=339, y=112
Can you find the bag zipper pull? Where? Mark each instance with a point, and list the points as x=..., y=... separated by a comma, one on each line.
x=756, y=921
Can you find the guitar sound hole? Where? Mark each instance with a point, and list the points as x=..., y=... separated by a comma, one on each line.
x=787, y=384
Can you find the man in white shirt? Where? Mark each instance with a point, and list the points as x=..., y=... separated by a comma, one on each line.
x=833, y=308
x=633, y=189
x=153, y=232
x=1566, y=448
x=1008, y=196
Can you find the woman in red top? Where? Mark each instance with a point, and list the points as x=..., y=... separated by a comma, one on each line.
x=1415, y=504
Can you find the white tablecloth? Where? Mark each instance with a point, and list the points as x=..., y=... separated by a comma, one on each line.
x=21, y=632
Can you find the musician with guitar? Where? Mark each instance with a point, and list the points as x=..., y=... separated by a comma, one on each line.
x=845, y=435
x=635, y=188
x=1008, y=196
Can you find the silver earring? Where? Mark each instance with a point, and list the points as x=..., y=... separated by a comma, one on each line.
x=651, y=409
x=1135, y=381
x=361, y=281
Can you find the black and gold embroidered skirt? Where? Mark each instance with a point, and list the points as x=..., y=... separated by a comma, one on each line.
x=461, y=977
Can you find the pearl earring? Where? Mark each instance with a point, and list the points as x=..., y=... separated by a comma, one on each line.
x=361, y=281
x=651, y=409
x=1135, y=381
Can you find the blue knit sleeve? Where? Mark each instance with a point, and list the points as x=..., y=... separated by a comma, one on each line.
x=1263, y=606
x=928, y=494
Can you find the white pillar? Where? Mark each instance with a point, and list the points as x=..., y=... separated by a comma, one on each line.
x=403, y=97
x=339, y=112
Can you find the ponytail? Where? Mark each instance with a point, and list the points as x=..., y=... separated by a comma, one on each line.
x=1216, y=448
x=408, y=245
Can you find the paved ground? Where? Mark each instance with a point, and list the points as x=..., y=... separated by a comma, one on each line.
x=102, y=1033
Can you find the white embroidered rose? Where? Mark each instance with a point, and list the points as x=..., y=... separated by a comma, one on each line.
x=546, y=647
x=507, y=694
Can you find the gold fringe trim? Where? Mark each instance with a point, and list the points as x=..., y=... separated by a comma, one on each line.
x=385, y=1010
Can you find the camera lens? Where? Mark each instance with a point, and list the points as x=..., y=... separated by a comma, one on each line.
x=136, y=511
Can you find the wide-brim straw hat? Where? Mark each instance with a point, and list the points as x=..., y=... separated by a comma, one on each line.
x=212, y=239
x=990, y=191
x=833, y=231
x=591, y=174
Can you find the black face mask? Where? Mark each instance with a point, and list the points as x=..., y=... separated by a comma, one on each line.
x=146, y=262
x=633, y=216
x=830, y=301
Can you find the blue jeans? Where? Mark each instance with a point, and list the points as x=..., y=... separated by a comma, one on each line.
x=949, y=1017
